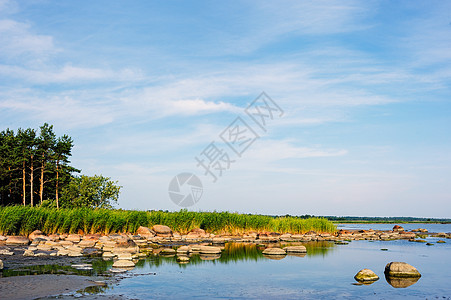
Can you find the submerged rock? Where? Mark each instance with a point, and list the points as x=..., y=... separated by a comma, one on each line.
x=366, y=275
x=401, y=269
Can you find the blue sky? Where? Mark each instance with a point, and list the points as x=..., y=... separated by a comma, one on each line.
x=144, y=87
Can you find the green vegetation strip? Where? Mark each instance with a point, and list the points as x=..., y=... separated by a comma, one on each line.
x=22, y=220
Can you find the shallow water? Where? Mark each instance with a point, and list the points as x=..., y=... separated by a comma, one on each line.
x=242, y=272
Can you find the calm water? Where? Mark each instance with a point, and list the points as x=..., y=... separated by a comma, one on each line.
x=326, y=272
x=429, y=227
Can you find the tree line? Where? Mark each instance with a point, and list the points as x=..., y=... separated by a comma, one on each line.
x=35, y=170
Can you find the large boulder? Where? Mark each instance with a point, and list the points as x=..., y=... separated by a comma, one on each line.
x=398, y=228
x=17, y=240
x=145, y=231
x=36, y=234
x=401, y=269
x=366, y=275
x=162, y=230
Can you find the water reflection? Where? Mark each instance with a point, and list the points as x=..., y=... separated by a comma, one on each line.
x=400, y=282
x=232, y=253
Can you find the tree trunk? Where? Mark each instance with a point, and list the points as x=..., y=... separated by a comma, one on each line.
x=57, y=178
x=23, y=183
x=31, y=180
x=10, y=183
x=41, y=185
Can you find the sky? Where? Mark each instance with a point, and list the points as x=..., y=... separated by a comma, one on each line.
x=145, y=87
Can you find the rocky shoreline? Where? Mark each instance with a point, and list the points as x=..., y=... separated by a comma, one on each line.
x=126, y=249
x=146, y=241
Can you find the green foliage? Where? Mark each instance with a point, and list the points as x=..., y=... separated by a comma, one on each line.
x=34, y=165
x=90, y=191
x=23, y=220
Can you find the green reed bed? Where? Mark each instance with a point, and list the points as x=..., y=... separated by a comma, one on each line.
x=23, y=220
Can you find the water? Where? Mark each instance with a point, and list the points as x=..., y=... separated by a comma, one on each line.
x=409, y=226
x=326, y=272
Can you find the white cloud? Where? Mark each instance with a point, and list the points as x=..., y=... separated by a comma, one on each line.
x=68, y=74
x=16, y=39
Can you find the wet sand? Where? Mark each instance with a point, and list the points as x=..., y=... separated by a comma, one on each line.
x=38, y=286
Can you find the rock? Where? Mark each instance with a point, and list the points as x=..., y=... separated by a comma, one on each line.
x=63, y=253
x=6, y=252
x=3, y=238
x=295, y=249
x=429, y=244
x=125, y=256
x=440, y=242
x=401, y=269
x=398, y=228
x=17, y=240
x=91, y=252
x=108, y=255
x=145, y=231
x=1, y=264
x=84, y=267
x=366, y=275
x=209, y=250
x=54, y=237
x=183, y=249
x=274, y=251
x=86, y=244
x=28, y=253
x=35, y=234
x=117, y=270
x=123, y=264
x=167, y=251
x=92, y=237
x=75, y=238
x=183, y=259
x=162, y=230
x=197, y=232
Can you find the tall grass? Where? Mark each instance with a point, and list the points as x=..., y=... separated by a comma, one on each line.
x=23, y=220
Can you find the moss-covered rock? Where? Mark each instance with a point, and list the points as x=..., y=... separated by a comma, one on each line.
x=366, y=275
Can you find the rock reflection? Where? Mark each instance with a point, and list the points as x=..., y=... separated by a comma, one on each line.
x=400, y=282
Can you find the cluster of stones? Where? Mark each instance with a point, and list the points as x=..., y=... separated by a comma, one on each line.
x=126, y=249
x=397, y=274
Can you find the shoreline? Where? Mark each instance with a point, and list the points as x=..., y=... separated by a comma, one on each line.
x=125, y=250
x=46, y=285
